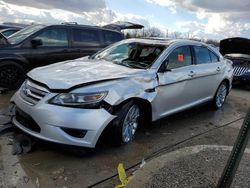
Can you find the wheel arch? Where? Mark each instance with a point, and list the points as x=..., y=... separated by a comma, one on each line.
x=228, y=84
x=144, y=105
x=21, y=62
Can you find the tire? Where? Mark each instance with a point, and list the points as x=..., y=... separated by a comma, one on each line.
x=248, y=87
x=123, y=131
x=220, y=95
x=12, y=74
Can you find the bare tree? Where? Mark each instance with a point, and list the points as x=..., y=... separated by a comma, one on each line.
x=176, y=34
x=213, y=42
x=153, y=32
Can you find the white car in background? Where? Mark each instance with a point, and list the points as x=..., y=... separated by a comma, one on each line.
x=132, y=82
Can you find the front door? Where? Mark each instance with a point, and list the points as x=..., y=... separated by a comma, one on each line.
x=173, y=93
x=54, y=47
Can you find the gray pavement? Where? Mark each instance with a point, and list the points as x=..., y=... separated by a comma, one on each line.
x=196, y=166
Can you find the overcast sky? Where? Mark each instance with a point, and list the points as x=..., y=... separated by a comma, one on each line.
x=201, y=18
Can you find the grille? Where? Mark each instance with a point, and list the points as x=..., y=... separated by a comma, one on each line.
x=26, y=121
x=240, y=70
x=33, y=93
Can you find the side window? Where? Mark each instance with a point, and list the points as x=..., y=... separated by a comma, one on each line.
x=202, y=55
x=214, y=57
x=86, y=37
x=111, y=37
x=53, y=37
x=180, y=57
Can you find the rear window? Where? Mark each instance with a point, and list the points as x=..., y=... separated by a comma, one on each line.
x=86, y=37
x=111, y=37
x=202, y=55
x=214, y=57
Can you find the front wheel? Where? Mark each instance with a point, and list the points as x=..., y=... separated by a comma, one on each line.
x=126, y=123
x=220, y=95
x=12, y=74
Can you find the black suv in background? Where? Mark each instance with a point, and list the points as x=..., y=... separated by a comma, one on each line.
x=40, y=45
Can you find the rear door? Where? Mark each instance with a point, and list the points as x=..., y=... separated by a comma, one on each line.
x=85, y=41
x=208, y=70
x=54, y=48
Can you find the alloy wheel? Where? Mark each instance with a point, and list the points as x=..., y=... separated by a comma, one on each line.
x=221, y=95
x=130, y=123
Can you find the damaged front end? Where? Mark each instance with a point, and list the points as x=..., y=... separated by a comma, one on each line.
x=76, y=117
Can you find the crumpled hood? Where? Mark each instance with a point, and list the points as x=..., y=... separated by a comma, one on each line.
x=66, y=75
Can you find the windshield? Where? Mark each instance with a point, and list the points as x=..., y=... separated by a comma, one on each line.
x=24, y=33
x=133, y=54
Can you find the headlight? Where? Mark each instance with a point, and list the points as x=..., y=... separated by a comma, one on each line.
x=78, y=99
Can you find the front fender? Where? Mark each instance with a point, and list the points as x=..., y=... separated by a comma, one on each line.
x=143, y=88
x=14, y=57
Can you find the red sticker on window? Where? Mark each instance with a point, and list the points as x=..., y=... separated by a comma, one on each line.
x=180, y=57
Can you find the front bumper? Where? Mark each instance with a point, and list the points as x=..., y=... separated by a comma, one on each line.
x=53, y=119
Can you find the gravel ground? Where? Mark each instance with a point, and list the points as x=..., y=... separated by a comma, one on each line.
x=199, y=170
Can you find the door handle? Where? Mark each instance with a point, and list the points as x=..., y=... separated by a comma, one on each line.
x=191, y=73
x=218, y=69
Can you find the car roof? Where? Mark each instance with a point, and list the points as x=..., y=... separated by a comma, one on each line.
x=80, y=26
x=167, y=41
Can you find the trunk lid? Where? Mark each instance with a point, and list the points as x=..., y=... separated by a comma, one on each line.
x=235, y=46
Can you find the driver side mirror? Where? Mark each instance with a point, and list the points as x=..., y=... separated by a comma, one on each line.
x=164, y=67
x=36, y=42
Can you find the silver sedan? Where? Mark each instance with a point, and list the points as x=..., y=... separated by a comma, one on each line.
x=126, y=85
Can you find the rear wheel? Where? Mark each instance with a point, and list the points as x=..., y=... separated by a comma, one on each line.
x=126, y=123
x=11, y=74
x=220, y=95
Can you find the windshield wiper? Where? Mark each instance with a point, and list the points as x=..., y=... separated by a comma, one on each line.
x=133, y=64
x=123, y=64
